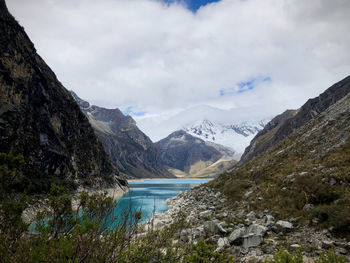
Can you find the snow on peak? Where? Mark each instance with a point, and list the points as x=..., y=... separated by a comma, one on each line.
x=237, y=136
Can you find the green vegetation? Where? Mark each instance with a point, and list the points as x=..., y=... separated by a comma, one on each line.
x=292, y=175
x=82, y=233
x=203, y=253
x=282, y=256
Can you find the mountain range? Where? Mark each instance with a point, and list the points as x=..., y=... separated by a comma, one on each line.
x=286, y=123
x=129, y=148
x=230, y=128
x=40, y=121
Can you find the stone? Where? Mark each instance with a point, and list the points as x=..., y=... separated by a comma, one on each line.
x=256, y=229
x=205, y=214
x=294, y=247
x=252, y=240
x=236, y=236
x=212, y=227
x=308, y=207
x=269, y=221
x=247, y=194
x=250, y=217
x=284, y=224
x=222, y=242
x=327, y=244
x=186, y=235
x=261, y=199
x=332, y=181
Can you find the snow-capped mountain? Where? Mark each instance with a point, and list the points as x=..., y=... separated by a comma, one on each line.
x=236, y=136
x=233, y=128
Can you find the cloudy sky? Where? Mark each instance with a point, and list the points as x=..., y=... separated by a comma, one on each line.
x=154, y=58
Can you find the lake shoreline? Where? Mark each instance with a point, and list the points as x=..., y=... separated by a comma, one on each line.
x=180, y=178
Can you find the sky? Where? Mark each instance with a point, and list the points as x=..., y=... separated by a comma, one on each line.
x=154, y=59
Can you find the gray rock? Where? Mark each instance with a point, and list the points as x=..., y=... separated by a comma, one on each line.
x=212, y=227
x=236, y=236
x=256, y=229
x=269, y=221
x=205, y=214
x=252, y=240
x=326, y=244
x=186, y=235
x=308, y=207
x=284, y=224
x=250, y=217
x=222, y=242
x=261, y=199
x=247, y=194
x=332, y=181
x=294, y=247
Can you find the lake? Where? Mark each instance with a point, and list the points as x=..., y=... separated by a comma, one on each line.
x=150, y=194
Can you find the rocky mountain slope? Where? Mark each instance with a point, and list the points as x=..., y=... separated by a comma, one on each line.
x=302, y=180
x=186, y=153
x=237, y=136
x=40, y=120
x=129, y=148
x=283, y=125
x=293, y=197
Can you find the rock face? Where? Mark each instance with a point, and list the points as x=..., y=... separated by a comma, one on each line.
x=40, y=120
x=129, y=148
x=283, y=125
x=184, y=152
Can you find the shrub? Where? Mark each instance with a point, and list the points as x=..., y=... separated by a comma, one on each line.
x=282, y=256
x=331, y=257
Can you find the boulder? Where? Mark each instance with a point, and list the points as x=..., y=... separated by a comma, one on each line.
x=284, y=225
x=236, y=236
x=250, y=217
x=213, y=227
x=222, y=242
x=257, y=230
x=205, y=214
x=269, y=221
x=252, y=240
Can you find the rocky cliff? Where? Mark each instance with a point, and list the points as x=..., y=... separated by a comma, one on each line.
x=128, y=147
x=40, y=120
x=283, y=125
x=186, y=153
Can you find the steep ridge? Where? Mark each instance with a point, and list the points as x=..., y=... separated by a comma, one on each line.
x=284, y=124
x=40, y=120
x=186, y=153
x=305, y=175
x=128, y=147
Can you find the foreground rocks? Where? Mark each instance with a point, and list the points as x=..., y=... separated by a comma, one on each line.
x=250, y=237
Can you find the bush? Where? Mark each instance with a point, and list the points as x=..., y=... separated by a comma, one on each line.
x=333, y=215
x=331, y=257
x=282, y=256
x=203, y=253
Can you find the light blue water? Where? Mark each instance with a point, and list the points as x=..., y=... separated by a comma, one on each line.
x=146, y=195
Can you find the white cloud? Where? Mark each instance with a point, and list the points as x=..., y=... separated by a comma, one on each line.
x=161, y=59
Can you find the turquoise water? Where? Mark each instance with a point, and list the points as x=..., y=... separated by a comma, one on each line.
x=146, y=195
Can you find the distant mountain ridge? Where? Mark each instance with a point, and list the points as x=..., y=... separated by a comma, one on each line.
x=236, y=136
x=289, y=121
x=40, y=120
x=187, y=153
x=128, y=147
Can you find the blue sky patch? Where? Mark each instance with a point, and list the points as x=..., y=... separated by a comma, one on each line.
x=244, y=86
x=130, y=111
x=192, y=5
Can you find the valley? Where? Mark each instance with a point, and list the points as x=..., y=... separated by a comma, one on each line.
x=190, y=178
